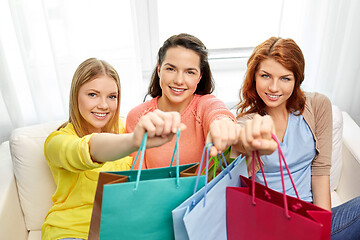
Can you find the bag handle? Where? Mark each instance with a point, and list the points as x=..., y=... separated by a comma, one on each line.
x=142, y=149
x=206, y=147
x=221, y=157
x=176, y=148
x=216, y=162
x=281, y=159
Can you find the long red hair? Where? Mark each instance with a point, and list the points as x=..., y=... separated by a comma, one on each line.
x=290, y=56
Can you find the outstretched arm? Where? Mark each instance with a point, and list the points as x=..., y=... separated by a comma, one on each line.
x=161, y=127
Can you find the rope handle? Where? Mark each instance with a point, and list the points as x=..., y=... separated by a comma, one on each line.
x=221, y=157
x=206, y=147
x=281, y=159
x=142, y=149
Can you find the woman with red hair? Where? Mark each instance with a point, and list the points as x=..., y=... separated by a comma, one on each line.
x=303, y=126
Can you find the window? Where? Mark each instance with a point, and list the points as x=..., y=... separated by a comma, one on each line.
x=229, y=29
x=221, y=24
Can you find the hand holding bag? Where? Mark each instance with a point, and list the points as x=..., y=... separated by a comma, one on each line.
x=140, y=208
x=255, y=211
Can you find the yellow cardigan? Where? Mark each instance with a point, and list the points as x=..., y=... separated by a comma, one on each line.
x=75, y=175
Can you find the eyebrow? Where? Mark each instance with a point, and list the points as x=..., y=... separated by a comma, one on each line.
x=286, y=75
x=94, y=90
x=173, y=66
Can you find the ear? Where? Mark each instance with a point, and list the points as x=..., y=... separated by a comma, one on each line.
x=158, y=69
x=200, y=78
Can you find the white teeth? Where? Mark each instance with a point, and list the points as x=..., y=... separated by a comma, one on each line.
x=100, y=114
x=177, y=90
x=273, y=96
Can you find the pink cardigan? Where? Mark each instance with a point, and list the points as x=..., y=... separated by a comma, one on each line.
x=202, y=110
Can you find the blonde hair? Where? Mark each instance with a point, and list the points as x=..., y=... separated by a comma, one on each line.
x=87, y=71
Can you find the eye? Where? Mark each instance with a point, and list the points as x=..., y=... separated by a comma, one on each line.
x=265, y=76
x=191, y=72
x=113, y=97
x=286, y=79
x=92, y=94
x=169, y=69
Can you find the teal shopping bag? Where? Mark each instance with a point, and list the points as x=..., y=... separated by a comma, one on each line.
x=140, y=207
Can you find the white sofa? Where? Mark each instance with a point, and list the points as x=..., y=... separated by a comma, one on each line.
x=27, y=184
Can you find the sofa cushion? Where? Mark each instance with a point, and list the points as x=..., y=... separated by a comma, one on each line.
x=33, y=176
x=12, y=224
x=336, y=158
x=34, y=235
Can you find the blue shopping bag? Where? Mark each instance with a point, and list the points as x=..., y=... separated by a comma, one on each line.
x=203, y=215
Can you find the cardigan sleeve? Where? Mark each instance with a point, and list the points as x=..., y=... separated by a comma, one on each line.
x=322, y=110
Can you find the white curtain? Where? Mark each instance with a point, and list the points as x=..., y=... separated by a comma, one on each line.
x=43, y=41
x=328, y=32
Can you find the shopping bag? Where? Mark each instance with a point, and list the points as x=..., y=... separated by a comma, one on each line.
x=255, y=211
x=140, y=208
x=125, y=176
x=202, y=216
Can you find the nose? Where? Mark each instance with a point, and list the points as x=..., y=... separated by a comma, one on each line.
x=273, y=86
x=103, y=104
x=179, y=78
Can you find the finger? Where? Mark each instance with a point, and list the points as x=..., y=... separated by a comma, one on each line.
x=157, y=122
x=145, y=124
x=213, y=151
x=267, y=147
x=232, y=133
x=216, y=134
x=182, y=127
x=157, y=141
x=244, y=139
x=248, y=131
x=256, y=126
x=168, y=123
x=267, y=127
x=227, y=135
x=176, y=124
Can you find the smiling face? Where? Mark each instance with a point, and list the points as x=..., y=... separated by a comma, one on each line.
x=97, y=100
x=274, y=84
x=179, y=76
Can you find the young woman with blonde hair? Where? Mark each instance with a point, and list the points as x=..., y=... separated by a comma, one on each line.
x=93, y=140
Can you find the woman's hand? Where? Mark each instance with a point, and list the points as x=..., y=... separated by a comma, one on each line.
x=161, y=127
x=256, y=135
x=223, y=133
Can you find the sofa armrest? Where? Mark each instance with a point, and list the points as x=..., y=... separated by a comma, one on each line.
x=12, y=223
x=349, y=186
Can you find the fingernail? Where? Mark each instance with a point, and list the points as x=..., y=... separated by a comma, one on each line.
x=258, y=142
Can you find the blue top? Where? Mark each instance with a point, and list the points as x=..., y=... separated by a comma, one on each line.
x=299, y=150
